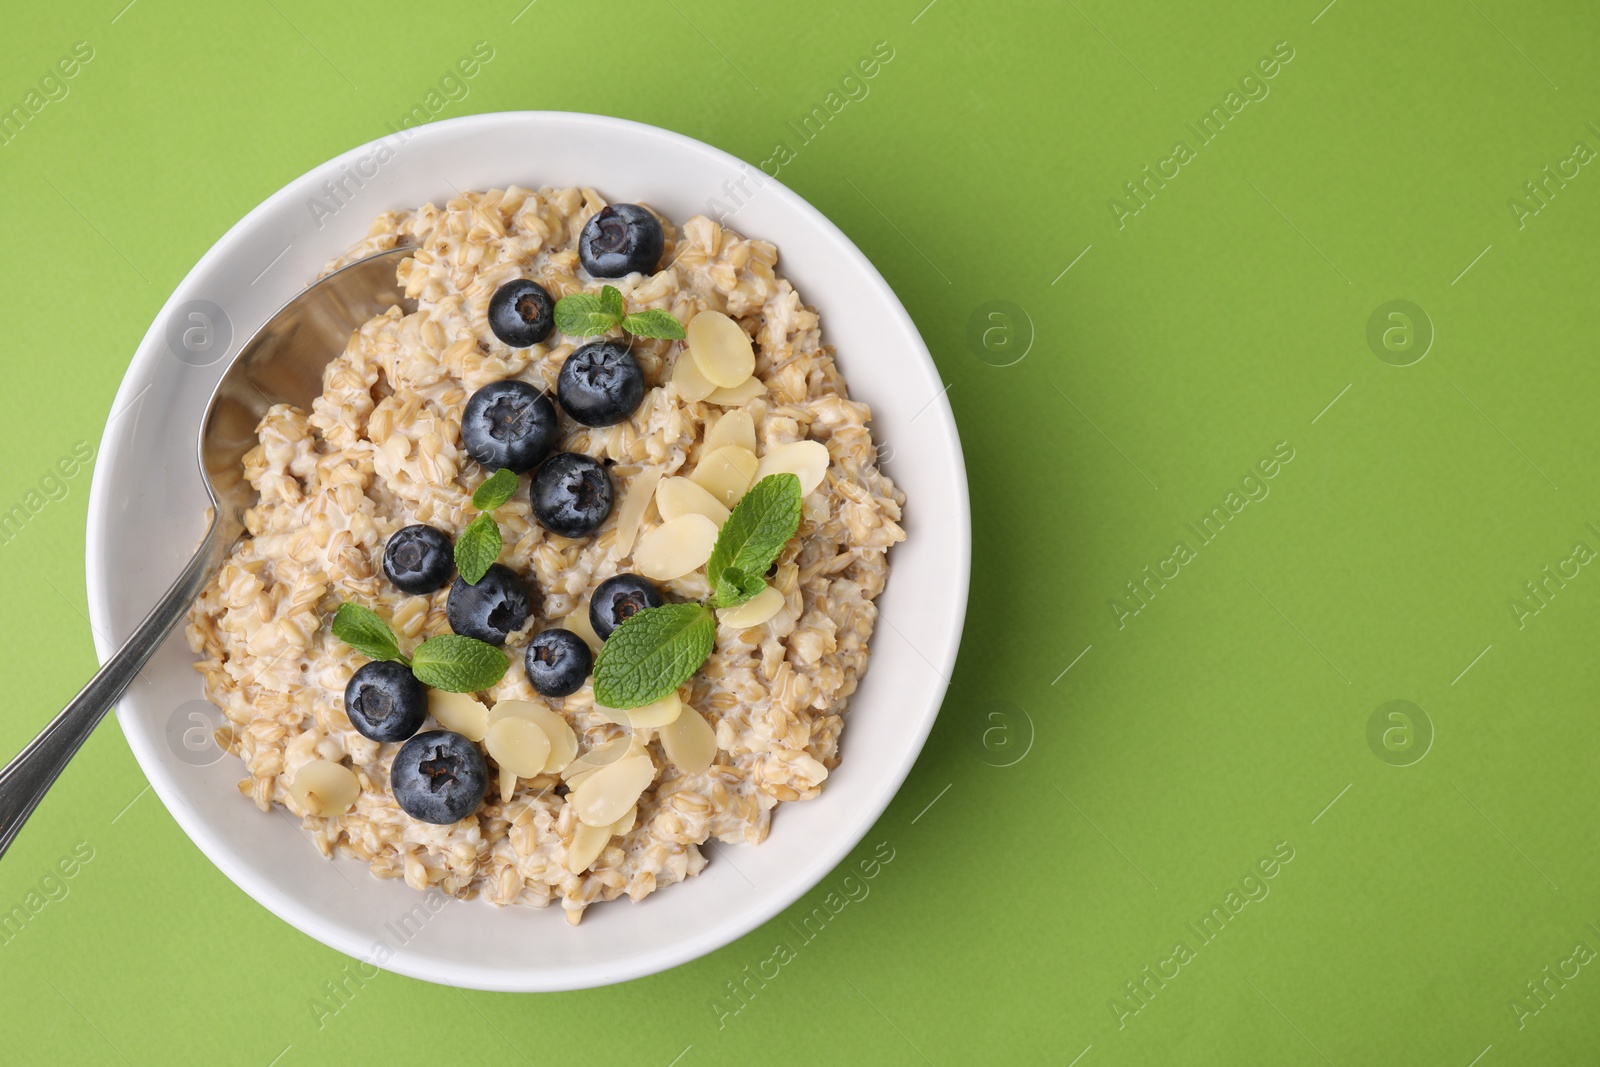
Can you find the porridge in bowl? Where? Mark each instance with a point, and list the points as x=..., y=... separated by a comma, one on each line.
x=615, y=455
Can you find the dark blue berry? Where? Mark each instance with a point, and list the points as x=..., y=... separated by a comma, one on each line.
x=600, y=384
x=571, y=494
x=521, y=313
x=509, y=424
x=385, y=702
x=493, y=609
x=439, y=777
x=418, y=559
x=620, y=598
x=620, y=239
x=557, y=662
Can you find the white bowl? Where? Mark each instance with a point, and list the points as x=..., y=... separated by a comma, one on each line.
x=146, y=511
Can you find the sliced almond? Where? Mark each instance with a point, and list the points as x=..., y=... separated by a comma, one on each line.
x=646, y=716
x=459, y=712
x=676, y=497
x=563, y=742
x=641, y=490
x=325, y=788
x=508, y=784
x=688, y=382
x=733, y=428
x=690, y=742
x=602, y=755
x=587, y=844
x=578, y=779
x=578, y=622
x=739, y=395
x=675, y=548
x=753, y=612
x=721, y=349
x=806, y=460
x=626, y=823
x=726, y=473
x=518, y=744
x=607, y=794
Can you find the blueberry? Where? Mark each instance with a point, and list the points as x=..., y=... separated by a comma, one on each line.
x=620, y=239
x=418, y=559
x=521, y=313
x=620, y=598
x=493, y=609
x=385, y=702
x=557, y=662
x=600, y=384
x=571, y=494
x=509, y=424
x=439, y=777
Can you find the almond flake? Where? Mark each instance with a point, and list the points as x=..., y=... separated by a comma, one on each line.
x=733, y=428
x=676, y=497
x=739, y=395
x=645, y=717
x=587, y=844
x=601, y=755
x=641, y=490
x=459, y=712
x=753, y=612
x=563, y=742
x=690, y=742
x=726, y=473
x=607, y=794
x=806, y=460
x=675, y=548
x=518, y=745
x=721, y=349
x=578, y=622
x=325, y=788
x=688, y=382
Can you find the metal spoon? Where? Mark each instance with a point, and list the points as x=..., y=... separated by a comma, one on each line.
x=282, y=363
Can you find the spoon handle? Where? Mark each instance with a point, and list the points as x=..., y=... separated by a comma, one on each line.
x=25, y=779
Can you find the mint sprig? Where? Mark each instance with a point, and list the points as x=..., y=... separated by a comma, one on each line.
x=652, y=653
x=611, y=302
x=653, y=322
x=752, y=537
x=495, y=490
x=477, y=548
x=656, y=650
x=591, y=315
x=458, y=664
x=365, y=631
x=449, y=661
x=733, y=587
x=479, y=544
x=587, y=315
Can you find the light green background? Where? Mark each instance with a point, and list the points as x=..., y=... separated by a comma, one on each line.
x=1224, y=718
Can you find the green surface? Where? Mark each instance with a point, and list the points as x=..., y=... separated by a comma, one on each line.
x=1062, y=830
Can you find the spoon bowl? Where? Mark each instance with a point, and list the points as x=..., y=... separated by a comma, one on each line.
x=282, y=363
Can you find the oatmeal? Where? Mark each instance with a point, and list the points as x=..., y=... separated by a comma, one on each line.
x=382, y=450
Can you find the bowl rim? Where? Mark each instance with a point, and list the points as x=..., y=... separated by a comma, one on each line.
x=577, y=976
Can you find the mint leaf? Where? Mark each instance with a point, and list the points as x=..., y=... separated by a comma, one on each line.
x=586, y=315
x=654, y=323
x=734, y=587
x=366, y=632
x=611, y=302
x=496, y=490
x=652, y=653
x=477, y=548
x=458, y=664
x=761, y=524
